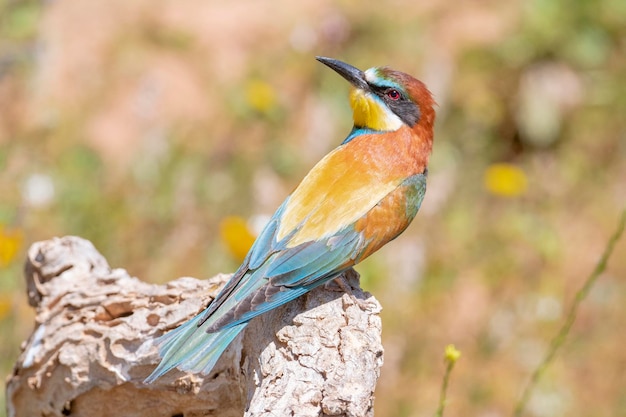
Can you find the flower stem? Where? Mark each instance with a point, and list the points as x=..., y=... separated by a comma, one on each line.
x=450, y=357
x=559, y=339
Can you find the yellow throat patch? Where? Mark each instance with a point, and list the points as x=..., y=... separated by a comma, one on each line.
x=371, y=113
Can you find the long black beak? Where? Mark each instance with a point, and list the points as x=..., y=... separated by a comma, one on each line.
x=354, y=75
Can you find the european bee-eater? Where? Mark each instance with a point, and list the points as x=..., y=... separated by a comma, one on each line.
x=357, y=198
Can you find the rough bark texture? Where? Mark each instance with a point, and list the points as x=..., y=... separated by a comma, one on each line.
x=91, y=348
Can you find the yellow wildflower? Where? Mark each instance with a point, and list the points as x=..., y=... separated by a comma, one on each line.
x=10, y=242
x=236, y=236
x=260, y=96
x=452, y=354
x=505, y=180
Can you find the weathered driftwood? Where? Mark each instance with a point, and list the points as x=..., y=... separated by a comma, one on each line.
x=91, y=348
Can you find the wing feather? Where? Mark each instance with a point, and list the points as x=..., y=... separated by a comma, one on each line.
x=342, y=211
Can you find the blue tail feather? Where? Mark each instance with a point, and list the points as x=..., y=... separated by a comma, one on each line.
x=191, y=348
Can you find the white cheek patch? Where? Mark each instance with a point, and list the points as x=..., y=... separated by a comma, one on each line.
x=390, y=120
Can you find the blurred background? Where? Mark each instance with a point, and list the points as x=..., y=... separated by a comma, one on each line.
x=167, y=134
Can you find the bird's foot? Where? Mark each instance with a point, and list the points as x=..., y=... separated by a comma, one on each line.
x=343, y=285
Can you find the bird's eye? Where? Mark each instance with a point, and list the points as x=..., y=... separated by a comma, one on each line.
x=393, y=94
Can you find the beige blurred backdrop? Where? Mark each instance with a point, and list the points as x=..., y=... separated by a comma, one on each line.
x=167, y=132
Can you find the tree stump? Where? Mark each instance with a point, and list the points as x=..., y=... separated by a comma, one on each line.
x=91, y=349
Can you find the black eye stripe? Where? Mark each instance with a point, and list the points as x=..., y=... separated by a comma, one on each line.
x=381, y=91
x=404, y=108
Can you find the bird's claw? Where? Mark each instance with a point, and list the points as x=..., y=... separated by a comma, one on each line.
x=341, y=284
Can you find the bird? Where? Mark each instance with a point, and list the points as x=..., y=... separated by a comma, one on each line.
x=357, y=198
